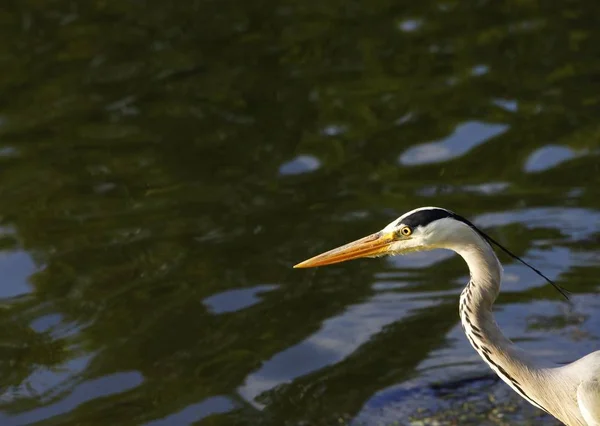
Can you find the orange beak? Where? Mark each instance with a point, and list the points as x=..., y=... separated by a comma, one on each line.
x=373, y=245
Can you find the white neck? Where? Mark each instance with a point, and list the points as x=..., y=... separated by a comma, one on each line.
x=513, y=365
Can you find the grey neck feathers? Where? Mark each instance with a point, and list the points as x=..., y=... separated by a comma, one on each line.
x=485, y=271
x=513, y=365
x=478, y=297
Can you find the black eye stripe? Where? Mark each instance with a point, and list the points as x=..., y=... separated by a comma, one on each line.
x=425, y=217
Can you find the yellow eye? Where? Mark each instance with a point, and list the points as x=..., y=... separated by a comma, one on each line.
x=405, y=231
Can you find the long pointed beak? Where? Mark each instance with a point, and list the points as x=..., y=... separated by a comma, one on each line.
x=373, y=245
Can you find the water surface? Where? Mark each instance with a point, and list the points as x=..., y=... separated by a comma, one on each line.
x=163, y=166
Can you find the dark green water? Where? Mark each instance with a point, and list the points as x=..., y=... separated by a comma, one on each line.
x=163, y=166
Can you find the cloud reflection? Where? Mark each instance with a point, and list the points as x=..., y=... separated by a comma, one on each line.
x=338, y=337
x=574, y=223
x=237, y=299
x=465, y=137
x=548, y=157
x=300, y=164
x=195, y=412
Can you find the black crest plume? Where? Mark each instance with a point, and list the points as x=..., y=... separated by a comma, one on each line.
x=423, y=217
x=564, y=292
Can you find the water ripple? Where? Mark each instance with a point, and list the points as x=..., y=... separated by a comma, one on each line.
x=338, y=337
x=548, y=157
x=235, y=300
x=299, y=165
x=195, y=412
x=465, y=137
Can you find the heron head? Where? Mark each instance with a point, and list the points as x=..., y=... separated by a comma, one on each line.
x=426, y=228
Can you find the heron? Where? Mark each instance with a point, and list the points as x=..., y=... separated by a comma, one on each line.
x=569, y=392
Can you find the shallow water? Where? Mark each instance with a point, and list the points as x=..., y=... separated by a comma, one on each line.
x=162, y=167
